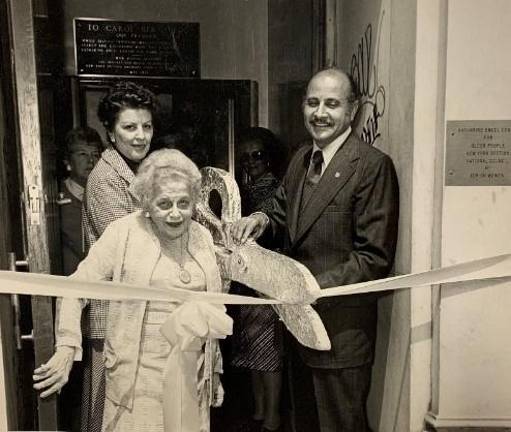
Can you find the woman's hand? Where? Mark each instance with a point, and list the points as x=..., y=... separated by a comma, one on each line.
x=54, y=374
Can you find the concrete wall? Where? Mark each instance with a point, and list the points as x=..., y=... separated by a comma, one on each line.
x=426, y=195
x=234, y=33
x=459, y=72
x=370, y=44
x=473, y=382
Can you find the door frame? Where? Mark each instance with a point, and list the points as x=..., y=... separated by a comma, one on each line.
x=21, y=27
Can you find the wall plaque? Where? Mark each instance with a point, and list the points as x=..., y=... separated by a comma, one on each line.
x=136, y=49
x=478, y=153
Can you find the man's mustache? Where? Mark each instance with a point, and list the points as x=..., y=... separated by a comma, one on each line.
x=317, y=122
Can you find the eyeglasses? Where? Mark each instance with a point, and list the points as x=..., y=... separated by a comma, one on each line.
x=257, y=155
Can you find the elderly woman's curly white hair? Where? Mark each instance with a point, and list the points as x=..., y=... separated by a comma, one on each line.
x=174, y=164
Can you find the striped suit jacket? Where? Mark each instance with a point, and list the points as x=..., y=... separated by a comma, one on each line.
x=345, y=233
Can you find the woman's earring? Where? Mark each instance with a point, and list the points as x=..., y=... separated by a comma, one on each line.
x=147, y=214
x=68, y=168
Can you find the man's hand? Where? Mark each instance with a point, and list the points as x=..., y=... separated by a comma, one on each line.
x=55, y=372
x=250, y=226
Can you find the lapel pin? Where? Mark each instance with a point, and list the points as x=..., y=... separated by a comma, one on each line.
x=337, y=174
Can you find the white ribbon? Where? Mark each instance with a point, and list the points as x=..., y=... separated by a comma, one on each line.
x=61, y=286
x=498, y=266
x=181, y=409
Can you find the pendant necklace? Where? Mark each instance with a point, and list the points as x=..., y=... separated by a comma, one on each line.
x=184, y=275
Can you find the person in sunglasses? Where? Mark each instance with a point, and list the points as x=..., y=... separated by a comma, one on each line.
x=257, y=333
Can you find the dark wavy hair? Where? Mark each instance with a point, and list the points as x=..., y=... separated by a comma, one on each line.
x=265, y=136
x=126, y=94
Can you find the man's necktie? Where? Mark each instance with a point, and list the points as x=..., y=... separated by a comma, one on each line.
x=314, y=173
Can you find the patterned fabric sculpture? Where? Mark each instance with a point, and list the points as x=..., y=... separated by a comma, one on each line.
x=269, y=273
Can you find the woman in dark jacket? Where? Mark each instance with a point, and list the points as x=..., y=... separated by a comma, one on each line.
x=257, y=335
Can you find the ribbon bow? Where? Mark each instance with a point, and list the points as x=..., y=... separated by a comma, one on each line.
x=186, y=329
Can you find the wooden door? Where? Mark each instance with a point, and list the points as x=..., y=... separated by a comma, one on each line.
x=34, y=187
x=8, y=350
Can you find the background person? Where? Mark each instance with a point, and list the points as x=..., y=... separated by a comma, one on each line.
x=82, y=150
x=337, y=209
x=128, y=112
x=159, y=244
x=257, y=340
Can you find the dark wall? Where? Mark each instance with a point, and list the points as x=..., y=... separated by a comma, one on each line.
x=289, y=67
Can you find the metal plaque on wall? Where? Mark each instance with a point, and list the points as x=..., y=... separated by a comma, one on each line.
x=478, y=153
x=136, y=49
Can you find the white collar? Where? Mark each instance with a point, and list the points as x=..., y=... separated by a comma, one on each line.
x=331, y=149
x=74, y=188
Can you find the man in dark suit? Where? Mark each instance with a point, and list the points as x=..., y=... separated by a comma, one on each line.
x=337, y=212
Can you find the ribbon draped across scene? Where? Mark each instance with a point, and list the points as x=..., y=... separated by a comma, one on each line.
x=288, y=284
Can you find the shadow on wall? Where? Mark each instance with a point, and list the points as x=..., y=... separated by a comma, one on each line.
x=387, y=407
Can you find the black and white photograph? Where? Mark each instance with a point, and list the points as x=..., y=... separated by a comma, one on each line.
x=255, y=215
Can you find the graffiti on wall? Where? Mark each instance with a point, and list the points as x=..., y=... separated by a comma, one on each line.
x=364, y=69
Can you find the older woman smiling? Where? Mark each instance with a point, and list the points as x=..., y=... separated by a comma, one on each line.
x=158, y=245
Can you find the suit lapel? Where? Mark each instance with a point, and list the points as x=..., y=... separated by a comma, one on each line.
x=296, y=189
x=337, y=174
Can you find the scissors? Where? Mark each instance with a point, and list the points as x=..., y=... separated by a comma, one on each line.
x=268, y=273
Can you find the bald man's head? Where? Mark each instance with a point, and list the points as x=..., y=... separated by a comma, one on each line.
x=330, y=105
x=351, y=87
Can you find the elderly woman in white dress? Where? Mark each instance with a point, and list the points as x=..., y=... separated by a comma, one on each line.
x=158, y=245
